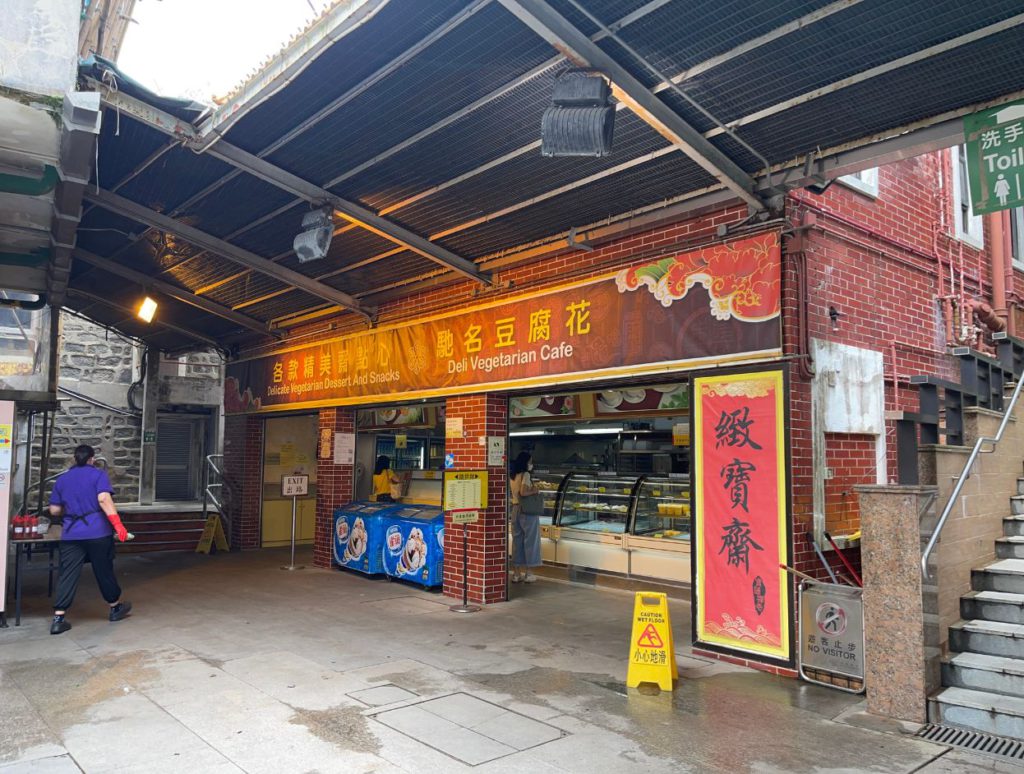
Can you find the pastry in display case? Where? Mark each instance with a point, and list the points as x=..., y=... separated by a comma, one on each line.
x=663, y=508
x=596, y=503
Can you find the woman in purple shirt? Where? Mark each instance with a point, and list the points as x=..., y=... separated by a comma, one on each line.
x=83, y=496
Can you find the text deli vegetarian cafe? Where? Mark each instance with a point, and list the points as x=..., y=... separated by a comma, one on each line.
x=649, y=386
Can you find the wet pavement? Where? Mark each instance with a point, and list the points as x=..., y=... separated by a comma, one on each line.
x=229, y=664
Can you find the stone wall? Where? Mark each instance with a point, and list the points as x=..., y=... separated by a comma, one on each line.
x=97, y=368
x=101, y=366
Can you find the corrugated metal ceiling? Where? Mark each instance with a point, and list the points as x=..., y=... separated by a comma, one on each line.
x=475, y=161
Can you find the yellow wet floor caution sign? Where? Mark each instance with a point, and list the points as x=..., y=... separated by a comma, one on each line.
x=652, y=655
x=213, y=533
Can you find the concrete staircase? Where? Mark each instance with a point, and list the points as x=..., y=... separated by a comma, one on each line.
x=983, y=676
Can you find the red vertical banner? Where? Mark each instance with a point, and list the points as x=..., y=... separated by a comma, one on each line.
x=741, y=526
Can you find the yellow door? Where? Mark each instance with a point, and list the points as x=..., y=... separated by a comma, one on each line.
x=289, y=448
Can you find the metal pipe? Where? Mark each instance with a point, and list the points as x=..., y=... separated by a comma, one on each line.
x=987, y=315
x=996, y=266
x=821, y=556
x=26, y=486
x=1008, y=285
x=44, y=457
x=966, y=473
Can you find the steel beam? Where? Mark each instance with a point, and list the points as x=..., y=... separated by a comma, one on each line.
x=94, y=299
x=129, y=209
x=490, y=97
x=888, y=147
x=564, y=37
x=175, y=292
x=295, y=185
x=354, y=213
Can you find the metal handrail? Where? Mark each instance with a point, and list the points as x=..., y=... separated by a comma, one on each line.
x=209, y=487
x=35, y=485
x=966, y=473
x=212, y=464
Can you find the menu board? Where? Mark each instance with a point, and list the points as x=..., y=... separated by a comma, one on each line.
x=465, y=489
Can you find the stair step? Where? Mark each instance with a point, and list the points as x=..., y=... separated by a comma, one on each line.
x=989, y=712
x=993, y=638
x=1011, y=547
x=1003, y=575
x=981, y=672
x=993, y=606
x=1013, y=525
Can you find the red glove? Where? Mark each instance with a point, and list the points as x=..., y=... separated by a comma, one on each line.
x=119, y=529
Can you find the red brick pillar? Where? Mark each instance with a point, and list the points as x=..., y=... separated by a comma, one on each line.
x=243, y=473
x=334, y=483
x=482, y=416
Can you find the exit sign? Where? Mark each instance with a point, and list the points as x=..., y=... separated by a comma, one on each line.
x=294, y=486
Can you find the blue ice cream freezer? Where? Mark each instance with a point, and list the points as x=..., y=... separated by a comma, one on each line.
x=359, y=536
x=414, y=544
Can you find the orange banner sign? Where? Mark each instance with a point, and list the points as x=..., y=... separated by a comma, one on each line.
x=713, y=305
x=741, y=521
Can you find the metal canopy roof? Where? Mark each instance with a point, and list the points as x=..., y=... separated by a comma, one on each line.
x=419, y=122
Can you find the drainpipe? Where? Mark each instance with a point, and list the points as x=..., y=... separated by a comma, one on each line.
x=998, y=268
x=1008, y=287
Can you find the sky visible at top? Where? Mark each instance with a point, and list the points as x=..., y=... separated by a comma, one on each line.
x=204, y=48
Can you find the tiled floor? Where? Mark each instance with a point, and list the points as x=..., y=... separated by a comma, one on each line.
x=229, y=664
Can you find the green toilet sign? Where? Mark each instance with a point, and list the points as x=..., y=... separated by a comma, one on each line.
x=995, y=157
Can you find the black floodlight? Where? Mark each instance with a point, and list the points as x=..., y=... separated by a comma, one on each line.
x=580, y=121
x=317, y=229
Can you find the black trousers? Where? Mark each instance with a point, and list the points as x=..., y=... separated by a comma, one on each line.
x=73, y=553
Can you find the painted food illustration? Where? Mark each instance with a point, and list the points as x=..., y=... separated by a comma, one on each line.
x=414, y=553
x=356, y=542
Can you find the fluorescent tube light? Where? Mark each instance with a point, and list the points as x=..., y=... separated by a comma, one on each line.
x=597, y=430
x=520, y=433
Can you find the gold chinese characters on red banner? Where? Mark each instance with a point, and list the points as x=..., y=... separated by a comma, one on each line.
x=741, y=530
x=713, y=305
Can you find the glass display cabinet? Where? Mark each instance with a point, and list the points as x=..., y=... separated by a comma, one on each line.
x=663, y=508
x=593, y=514
x=548, y=483
x=659, y=535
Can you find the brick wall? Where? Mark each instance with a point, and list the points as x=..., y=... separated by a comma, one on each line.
x=884, y=264
x=243, y=473
x=334, y=483
x=852, y=460
x=482, y=416
x=550, y=270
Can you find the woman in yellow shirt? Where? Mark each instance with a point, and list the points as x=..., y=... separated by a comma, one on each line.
x=383, y=479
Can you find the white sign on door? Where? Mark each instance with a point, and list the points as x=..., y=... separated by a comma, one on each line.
x=294, y=486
